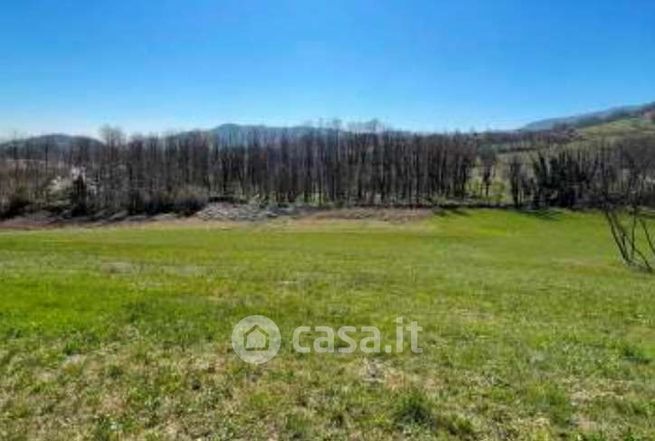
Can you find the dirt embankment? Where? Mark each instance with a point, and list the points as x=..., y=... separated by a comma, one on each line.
x=218, y=212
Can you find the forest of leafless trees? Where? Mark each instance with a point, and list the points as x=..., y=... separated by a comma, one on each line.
x=592, y=174
x=182, y=172
x=319, y=167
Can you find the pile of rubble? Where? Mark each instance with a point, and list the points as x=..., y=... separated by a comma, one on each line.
x=243, y=212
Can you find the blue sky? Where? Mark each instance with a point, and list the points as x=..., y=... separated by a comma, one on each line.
x=153, y=65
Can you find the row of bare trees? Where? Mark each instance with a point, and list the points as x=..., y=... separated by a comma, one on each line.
x=182, y=172
x=322, y=166
x=618, y=178
x=586, y=175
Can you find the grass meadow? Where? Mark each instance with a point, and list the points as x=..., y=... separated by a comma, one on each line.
x=532, y=330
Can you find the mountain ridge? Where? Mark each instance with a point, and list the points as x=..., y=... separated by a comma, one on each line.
x=588, y=119
x=233, y=134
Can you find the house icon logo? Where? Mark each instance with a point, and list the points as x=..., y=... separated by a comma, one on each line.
x=256, y=339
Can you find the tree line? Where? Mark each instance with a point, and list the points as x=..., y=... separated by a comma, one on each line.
x=323, y=167
x=151, y=174
x=590, y=174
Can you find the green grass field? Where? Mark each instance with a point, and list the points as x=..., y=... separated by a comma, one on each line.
x=620, y=129
x=533, y=329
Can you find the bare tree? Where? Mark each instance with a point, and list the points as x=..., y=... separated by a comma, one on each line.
x=488, y=164
x=624, y=206
x=517, y=181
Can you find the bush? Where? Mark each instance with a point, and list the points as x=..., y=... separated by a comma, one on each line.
x=188, y=200
x=78, y=197
x=158, y=202
x=16, y=205
x=228, y=199
x=137, y=202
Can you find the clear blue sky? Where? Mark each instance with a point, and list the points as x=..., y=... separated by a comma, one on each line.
x=152, y=65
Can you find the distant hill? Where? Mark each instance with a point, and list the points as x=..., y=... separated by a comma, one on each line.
x=591, y=119
x=226, y=134
x=621, y=128
x=615, y=122
x=237, y=134
x=55, y=144
x=55, y=141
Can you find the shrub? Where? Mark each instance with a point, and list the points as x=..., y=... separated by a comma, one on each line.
x=158, y=202
x=189, y=200
x=78, y=197
x=16, y=205
x=136, y=202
